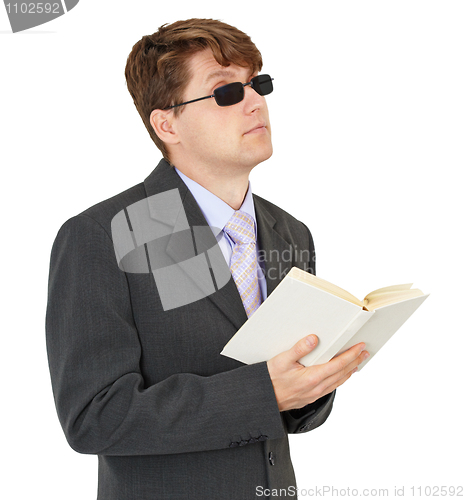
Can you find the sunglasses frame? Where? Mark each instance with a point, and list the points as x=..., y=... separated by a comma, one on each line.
x=254, y=83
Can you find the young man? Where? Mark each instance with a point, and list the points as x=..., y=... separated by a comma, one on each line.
x=134, y=358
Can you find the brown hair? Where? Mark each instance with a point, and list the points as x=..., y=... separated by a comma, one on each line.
x=157, y=67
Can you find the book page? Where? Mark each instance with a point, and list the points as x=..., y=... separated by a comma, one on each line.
x=390, y=295
x=326, y=286
x=382, y=326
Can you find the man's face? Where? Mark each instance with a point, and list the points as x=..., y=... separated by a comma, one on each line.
x=221, y=140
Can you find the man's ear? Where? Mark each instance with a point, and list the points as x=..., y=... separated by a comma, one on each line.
x=162, y=122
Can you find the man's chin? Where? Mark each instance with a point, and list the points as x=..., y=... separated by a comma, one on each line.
x=265, y=155
x=257, y=162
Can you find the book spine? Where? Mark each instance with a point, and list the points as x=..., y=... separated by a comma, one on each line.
x=339, y=342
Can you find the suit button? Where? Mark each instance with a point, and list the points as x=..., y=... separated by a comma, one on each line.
x=271, y=458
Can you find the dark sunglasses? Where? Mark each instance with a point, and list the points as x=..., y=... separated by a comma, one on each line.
x=232, y=93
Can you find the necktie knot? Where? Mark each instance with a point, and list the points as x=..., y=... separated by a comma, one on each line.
x=241, y=228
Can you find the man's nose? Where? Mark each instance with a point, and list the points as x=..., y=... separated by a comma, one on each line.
x=252, y=99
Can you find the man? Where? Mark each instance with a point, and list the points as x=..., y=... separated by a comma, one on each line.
x=138, y=379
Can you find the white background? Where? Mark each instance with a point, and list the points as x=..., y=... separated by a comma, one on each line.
x=368, y=119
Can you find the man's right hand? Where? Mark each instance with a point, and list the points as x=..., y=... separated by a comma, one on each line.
x=296, y=385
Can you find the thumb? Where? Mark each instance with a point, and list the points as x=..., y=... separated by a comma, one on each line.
x=302, y=348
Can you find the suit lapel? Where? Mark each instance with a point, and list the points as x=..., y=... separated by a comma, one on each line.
x=275, y=252
x=164, y=178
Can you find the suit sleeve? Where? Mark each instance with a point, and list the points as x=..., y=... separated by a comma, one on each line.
x=103, y=402
x=315, y=414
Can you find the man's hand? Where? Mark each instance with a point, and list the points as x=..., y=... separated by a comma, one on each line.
x=296, y=385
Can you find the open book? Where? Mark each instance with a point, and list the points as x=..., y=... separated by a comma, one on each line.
x=303, y=304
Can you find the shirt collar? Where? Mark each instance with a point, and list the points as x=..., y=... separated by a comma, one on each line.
x=216, y=212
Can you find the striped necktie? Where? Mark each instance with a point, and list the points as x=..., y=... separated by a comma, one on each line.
x=244, y=265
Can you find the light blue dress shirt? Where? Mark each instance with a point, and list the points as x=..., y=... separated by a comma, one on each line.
x=217, y=213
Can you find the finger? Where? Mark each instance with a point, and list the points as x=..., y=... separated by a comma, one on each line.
x=340, y=381
x=288, y=360
x=341, y=362
x=302, y=348
x=335, y=379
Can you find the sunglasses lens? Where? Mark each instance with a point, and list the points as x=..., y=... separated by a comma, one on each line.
x=263, y=84
x=229, y=94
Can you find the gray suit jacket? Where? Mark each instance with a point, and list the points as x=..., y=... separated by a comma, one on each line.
x=146, y=389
